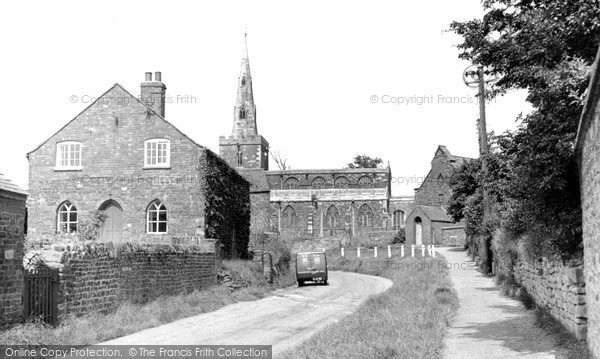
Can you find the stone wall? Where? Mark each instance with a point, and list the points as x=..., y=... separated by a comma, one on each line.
x=588, y=137
x=557, y=287
x=12, y=225
x=100, y=276
x=435, y=190
x=453, y=236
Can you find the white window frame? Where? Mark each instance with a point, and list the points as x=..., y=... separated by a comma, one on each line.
x=76, y=166
x=69, y=208
x=155, y=207
x=158, y=141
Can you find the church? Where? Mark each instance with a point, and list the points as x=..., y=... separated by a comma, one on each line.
x=355, y=202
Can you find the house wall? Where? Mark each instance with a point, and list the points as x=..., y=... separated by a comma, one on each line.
x=112, y=132
x=12, y=224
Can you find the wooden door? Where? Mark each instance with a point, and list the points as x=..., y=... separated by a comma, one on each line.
x=113, y=226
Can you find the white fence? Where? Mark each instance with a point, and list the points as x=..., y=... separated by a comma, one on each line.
x=412, y=251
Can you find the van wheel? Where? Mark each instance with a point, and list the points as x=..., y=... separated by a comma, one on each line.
x=300, y=283
x=325, y=282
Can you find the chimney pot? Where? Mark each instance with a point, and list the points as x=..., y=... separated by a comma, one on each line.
x=157, y=76
x=148, y=76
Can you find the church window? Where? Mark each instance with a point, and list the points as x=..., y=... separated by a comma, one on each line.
x=440, y=179
x=243, y=81
x=341, y=182
x=332, y=217
x=289, y=217
x=365, y=182
x=242, y=114
x=319, y=182
x=398, y=220
x=239, y=159
x=365, y=216
x=291, y=183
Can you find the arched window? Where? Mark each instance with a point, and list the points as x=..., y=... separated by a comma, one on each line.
x=398, y=220
x=332, y=217
x=365, y=216
x=239, y=159
x=341, y=182
x=365, y=182
x=289, y=217
x=156, y=218
x=67, y=218
x=242, y=114
x=243, y=81
x=291, y=183
x=319, y=182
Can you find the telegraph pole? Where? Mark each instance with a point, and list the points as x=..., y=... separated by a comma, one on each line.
x=474, y=75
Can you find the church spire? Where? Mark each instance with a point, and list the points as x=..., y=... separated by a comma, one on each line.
x=244, y=115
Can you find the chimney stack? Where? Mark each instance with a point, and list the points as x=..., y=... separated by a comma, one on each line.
x=153, y=93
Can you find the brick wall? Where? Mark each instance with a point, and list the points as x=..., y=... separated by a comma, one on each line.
x=100, y=276
x=454, y=237
x=12, y=224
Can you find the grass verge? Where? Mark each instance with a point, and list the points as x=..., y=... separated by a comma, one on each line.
x=130, y=318
x=409, y=320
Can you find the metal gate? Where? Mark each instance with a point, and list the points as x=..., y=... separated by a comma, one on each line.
x=40, y=294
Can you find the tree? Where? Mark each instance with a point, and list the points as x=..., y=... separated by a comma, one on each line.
x=545, y=47
x=280, y=159
x=364, y=161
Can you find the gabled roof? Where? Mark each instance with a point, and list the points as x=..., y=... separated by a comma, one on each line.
x=98, y=99
x=9, y=186
x=257, y=178
x=434, y=213
x=456, y=161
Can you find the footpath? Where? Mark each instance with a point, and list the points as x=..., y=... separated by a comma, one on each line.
x=488, y=324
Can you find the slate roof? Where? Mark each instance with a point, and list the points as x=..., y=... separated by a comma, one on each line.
x=9, y=186
x=456, y=161
x=257, y=179
x=435, y=213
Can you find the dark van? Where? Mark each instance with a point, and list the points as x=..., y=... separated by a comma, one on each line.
x=311, y=266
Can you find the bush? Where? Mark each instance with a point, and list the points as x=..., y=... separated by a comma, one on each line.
x=399, y=237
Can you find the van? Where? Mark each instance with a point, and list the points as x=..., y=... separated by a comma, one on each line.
x=311, y=266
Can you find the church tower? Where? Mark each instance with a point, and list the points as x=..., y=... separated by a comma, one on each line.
x=245, y=148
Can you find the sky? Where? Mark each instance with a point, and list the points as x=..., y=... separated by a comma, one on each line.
x=331, y=79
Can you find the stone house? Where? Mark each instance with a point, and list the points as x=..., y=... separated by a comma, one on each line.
x=588, y=156
x=154, y=183
x=12, y=232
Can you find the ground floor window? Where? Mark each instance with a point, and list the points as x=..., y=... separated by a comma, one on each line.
x=157, y=218
x=67, y=218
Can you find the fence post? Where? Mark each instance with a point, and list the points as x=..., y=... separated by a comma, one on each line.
x=429, y=250
x=342, y=251
x=357, y=252
x=389, y=252
x=412, y=250
x=402, y=251
x=433, y=250
x=422, y=250
x=375, y=252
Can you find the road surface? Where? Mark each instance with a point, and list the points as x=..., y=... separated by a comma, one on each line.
x=283, y=320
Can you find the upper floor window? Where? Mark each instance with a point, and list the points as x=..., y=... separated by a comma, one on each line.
x=157, y=153
x=319, y=182
x=291, y=183
x=157, y=218
x=67, y=218
x=341, y=182
x=68, y=155
x=365, y=182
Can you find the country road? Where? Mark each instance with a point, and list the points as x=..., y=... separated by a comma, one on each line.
x=283, y=320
